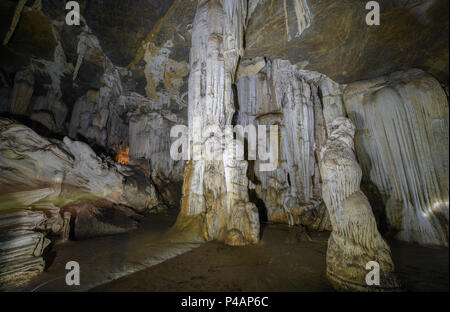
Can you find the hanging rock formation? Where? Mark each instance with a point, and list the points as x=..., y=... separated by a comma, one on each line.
x=22, y=92
x=302, y=103
x=215, y=192
x=402, y=143
x=355, y=240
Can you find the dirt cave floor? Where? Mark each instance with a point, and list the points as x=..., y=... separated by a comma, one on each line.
x=284, y=260
x=278, y=263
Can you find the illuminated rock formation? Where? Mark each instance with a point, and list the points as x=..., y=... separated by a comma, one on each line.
x=216, y=191
x=303, y=103
x=402, y=143
x=355, y=239
x=33, y=168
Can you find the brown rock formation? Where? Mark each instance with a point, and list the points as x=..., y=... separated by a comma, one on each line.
x=355, y=240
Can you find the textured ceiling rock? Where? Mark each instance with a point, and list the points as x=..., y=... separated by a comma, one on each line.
x=339, y=44
x=162, y=59
x=33, y=35
x=122, y=25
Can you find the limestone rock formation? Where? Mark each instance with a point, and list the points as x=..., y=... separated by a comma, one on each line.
x=355, y=240
x=100, y=217
x=23, y=239
x=217, y=189
x=22, y=92
x=339, y=43
x=302, y=103
x=402, y=144
x=61, y=172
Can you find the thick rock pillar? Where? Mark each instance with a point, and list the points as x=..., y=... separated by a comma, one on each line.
x=215, y=192
x=355, y=241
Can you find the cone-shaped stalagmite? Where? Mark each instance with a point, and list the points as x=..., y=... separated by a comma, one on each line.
x=355, y=240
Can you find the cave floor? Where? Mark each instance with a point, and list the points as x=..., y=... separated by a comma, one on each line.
x=108, y=258
x=142, y=260
x=276, y=264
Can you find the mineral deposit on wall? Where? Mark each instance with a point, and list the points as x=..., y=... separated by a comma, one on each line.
x=355, y=240
x=217, y=190
x=402, y=143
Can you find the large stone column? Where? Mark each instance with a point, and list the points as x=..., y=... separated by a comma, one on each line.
x=355, y=240
x=215, y=192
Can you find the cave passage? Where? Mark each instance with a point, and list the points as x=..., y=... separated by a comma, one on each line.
x=224, y=145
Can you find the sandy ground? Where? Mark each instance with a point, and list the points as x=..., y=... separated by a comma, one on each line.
x=276, y=264
x=142, y=260
x=107, y=258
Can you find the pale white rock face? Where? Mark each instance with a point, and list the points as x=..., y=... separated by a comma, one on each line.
x=402, y=143
x=34, y=168
x=23, y=239
x=149, y=139
x=147, y=134
x=217, y=190
x=355, y=239
x=302, y=103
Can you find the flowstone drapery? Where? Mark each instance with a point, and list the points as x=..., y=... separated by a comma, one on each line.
x=355, y=240
x=215, y=192
x=402, y=143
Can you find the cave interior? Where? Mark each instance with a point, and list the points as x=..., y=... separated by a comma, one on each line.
x=224, y=145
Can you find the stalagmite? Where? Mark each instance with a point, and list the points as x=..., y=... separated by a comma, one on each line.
x=355, y=240
x=216, y=191
x=402, y=143
x=15, y=20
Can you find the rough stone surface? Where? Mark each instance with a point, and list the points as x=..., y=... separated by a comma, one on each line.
x=302, y=103
x=99, y=218
x=33, y=167
x=339, y=43
x=402, y=144
x=355, y=239
x=24, y=237
x=217, y=189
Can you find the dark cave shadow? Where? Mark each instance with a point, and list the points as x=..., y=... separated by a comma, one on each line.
x=49, y=254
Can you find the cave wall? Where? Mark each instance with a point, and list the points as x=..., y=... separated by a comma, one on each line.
x=402, y=144
x=124, y=80
x=303, y=104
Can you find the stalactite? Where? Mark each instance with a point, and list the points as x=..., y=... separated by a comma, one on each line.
x=403, y=143
x=355, y=239
x=22, y=92
x=282, y=94
x=15, y=21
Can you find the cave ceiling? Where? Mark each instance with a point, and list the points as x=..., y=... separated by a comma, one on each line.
x=338, y=43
